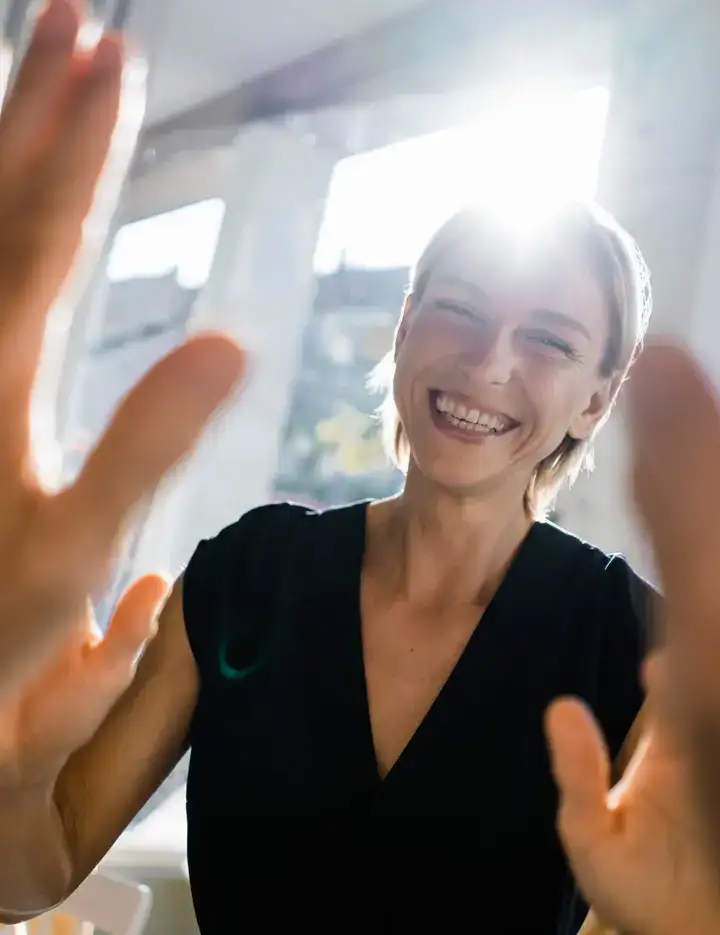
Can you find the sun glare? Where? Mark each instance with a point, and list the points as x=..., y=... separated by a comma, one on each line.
x=531, y=154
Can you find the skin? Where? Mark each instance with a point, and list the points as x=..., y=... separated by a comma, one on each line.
x=55, y=133
x=58, y=680
x=86, y=739
x=517, y=336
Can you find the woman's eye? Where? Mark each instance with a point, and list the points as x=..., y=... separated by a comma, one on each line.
x=551, y=341
x=455, y=307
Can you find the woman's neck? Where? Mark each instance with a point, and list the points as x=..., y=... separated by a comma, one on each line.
x=431, y=547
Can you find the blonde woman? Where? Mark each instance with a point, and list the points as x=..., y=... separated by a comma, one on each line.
x=366, y=683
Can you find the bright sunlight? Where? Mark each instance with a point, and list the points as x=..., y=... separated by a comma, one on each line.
x=532, y=153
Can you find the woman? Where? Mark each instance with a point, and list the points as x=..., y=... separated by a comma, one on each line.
x=388, y=665
x=360, y=681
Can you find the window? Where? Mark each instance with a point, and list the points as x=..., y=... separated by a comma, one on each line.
x=384, y=205
x=382, y=208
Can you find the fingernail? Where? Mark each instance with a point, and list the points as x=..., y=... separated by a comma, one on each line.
x=57, y=23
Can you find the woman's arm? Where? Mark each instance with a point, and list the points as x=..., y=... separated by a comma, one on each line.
x=106, y=783
x=60, y=830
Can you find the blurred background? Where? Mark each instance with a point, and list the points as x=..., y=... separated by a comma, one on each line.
x=293, y=160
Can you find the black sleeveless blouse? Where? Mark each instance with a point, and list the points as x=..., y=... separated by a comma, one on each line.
x=286, y=809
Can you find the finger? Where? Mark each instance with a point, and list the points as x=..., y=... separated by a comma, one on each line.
x=581, y=767
x=132, y=625
x=82, y=148
x=48, y=227
x=154, y=428
x=675, y=430
x=44, y=230
x=42, y=79
x=675, y=433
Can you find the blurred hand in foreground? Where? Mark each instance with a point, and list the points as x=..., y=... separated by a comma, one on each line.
x=55, y=133
x=647, y=853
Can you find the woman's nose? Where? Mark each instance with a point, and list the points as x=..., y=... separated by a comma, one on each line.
x=494, y=362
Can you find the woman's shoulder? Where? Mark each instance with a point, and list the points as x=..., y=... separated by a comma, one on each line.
x=608, y=600
x=271, y=523
x=264, y=534
x=611, y=573
x=267, y=551
x=609, y=593
x=613, y=614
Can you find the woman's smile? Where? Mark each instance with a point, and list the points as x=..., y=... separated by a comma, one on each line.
x=467, y=420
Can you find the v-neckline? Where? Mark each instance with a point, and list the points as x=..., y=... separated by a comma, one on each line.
x=491, y=611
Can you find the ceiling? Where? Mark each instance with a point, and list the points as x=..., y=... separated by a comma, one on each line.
x=199, y=48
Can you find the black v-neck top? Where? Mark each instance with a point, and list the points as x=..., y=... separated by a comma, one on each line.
x=283, y=788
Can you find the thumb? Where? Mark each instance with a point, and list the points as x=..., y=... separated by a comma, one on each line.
x=581, y=767
x=132, y=625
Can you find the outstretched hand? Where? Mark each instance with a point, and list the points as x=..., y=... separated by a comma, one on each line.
x=676, y=430
x=647, y=853
x=55, y=133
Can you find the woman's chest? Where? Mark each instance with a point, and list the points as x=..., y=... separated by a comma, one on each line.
x=452, y=719
x=409, y=657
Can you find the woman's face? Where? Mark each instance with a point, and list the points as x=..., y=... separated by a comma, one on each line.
x=496, y=362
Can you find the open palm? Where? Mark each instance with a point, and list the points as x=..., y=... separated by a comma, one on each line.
x=647, y=854
x=55, y=132
x=62, y=706
x=636, y=851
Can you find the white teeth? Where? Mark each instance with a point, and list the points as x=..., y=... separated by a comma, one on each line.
x=472, y=420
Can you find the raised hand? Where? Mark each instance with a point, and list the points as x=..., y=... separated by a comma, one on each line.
x=647, y=854
x=676, y=431
x=58, y=710
x=55, y=132
x=636, y=851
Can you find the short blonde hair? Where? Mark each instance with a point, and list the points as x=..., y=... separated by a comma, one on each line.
x=616, y=261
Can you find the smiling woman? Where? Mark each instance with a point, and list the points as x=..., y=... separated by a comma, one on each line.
x=377, y=677
x=554, y=313
x=367, y=685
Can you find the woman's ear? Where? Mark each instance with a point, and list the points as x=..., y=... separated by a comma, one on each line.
x=584, y=424
x=401, y=331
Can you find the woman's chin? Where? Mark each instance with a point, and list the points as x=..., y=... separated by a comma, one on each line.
x=462, y=475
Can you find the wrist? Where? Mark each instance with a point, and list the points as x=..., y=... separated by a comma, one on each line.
x=40, y=874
